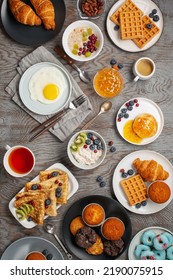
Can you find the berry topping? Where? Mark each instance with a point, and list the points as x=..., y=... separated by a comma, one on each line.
x=130, y=172
x=156, y=18
x=34, y=187
x=102, y=184
x=49, y=257
x=47, y=202
x=126, y=116
x=110, y=143
x=95, y=151
x=54, y=174
x=144, y=203
x=127, y=104
x=120, y=65
x=138, y=205
x=29, y=219
x=154, y=11
x=119, y=119
x=124, y=175
x=135, y=100
x=123, y=110
x=39, y=187
x=58, y=194
x=58, y=190
x=137, y=105
x=99, y=179
x=149, y=26
x=112, y=149
x=89, y=135
x=120, y=115
x=85, y=146
x=131, y=102
x=60, y=184
x=96, y=141
x=113, y=62
x=122, y=170
x=56, y=182
x=99, y=147
x=45, y=252
x=151, y=15
x=130, y=108
x=116, y=27
x=92, y=147
x=88, y=141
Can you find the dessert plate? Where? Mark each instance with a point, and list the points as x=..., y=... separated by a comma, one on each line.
x=73, y=187
x=32, y=35
x=145, y=106
x=20, y=248
x=36, y=106
x=137, y=240
x=126, y=163
x=112, y=208
x=128, y=45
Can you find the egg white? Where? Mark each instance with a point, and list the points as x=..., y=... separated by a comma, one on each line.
x=43, y=77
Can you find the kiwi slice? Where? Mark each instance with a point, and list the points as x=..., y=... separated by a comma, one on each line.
x=83, y=134
x=31, y=208
x=79, y=141
x=22, y=208
x=20, y=214
x=74, y=51
x=74, y=148
x=89, y=30
x=26, y=207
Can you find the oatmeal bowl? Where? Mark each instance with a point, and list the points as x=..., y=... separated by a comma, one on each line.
x=82, y=40
x=86, y=149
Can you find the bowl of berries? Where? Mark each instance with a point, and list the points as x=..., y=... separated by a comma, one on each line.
x=86, y=149
x=82, y=40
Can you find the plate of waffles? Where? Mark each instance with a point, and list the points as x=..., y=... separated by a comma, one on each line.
x=42, y=196
x=133, y=176
x=139, y=121
x=134, y=25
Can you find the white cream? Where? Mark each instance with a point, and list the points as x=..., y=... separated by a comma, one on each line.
x=87, y=156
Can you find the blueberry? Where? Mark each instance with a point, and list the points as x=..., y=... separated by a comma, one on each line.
x=149, y=26
x=102, y=184
x=129, y=108
x=120, y=65
x=88, y=141
x=123, y=110
x=120, y=115
x=92, y=147
x=96, y=141
x=99, y=179
x=151, y=15
x=45, y=252
x=58, y=194
x=154, y=11
x=124, y=175
x=47, y=202
x=99, y=147
x=54, y=174
x=49, y=257
x=138, y=205
x=34, y=187
x=130, y=172
x=112, y=149
x=131, y=102
x=126, y=116
x=89, y=135
x=29, y=219
x=144, y=203
x=116, y=27
x=58, y=190
x=156, y=18
x=113, y=62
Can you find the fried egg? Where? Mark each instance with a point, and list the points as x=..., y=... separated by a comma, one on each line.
x=47, y=85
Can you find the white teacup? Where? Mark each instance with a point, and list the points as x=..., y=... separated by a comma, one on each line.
x=143, y=68
x=18, y=161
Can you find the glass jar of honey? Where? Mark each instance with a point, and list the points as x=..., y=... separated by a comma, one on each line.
x=108, y=82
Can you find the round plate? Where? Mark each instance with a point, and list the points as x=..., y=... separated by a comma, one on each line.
x=111, y=207
x=136, y=239
x=20, y=248
x=36, y=106
x=145, y=106
x=128, y=45
x=126, y=163
x=32, y=35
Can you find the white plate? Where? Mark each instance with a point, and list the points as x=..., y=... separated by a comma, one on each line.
x=145, y=106
x=128, y=45
x=72, y=188
x=137, y=239
x=126, y=163
x=36, y=106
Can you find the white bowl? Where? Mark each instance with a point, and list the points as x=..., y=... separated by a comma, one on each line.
x=82, y=23
x=86, y=166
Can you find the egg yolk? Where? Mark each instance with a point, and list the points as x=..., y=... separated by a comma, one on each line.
x=51, y=92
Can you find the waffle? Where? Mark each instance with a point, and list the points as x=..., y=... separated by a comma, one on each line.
x=149, y=34
x=131, y=25
x=135, y=189
x=127, y=6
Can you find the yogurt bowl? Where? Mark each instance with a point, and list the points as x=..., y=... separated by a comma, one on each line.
x=86, y=149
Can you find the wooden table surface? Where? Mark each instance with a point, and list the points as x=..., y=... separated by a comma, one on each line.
x=15, y=124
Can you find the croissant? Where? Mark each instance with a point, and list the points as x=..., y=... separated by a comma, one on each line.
x=23, y=13
x=150, y=170
x=45, y=10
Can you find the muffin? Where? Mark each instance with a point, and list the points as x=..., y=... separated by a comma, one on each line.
x=145, y=125
x=85, y=237
x=159, y=192
x=113, y=228
x=76, y=224
x=96, y=248
x=93, y=214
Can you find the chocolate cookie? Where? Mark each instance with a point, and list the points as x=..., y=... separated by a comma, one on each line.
x=113, y=248
x=85, y=237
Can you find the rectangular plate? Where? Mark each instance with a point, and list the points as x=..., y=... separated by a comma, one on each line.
x=73, y=187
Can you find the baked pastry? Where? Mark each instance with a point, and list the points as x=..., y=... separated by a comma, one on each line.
x=150, y=170
x=93, y=214
x=113, y=228
x=76, y=224
x=113, y=248
x=145, y=125
x=159, y=192
x=96, y=248
x=85, y=237
x=45, y=10
x=23, y=13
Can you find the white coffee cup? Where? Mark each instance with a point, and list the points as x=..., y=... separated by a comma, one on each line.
x=18, y=161
x=143, y=68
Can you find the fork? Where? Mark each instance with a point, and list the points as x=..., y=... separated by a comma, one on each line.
x=53, y=120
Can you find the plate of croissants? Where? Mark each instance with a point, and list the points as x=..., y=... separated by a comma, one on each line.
x=142, y=182
x=32, y=22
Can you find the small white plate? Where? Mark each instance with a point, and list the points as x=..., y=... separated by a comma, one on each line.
x=36, y=106
x=126, y=163
x=72, y=185
x=145, y=106
x=128, y=45
x=137, y=239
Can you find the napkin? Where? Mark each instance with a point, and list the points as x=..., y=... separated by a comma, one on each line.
x=70, y=121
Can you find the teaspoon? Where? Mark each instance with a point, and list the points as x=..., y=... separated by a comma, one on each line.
x=105, y=107
x=50, y=229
